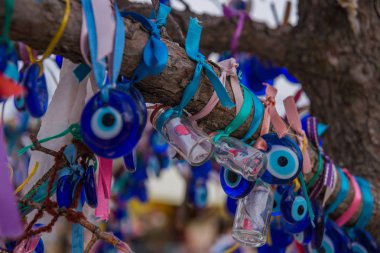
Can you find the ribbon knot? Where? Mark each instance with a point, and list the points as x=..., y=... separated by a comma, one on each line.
x=192, y=50
x=271, y=115
x=162, y=14
x=295, y=124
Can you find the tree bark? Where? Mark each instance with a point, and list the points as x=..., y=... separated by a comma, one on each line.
x=338, y=69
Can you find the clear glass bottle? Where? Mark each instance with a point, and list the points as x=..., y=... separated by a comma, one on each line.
x=240, y=157
x=183, y=135
x=252, y=217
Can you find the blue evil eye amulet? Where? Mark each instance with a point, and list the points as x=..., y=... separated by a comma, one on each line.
x=234, y=185
x=284, y=159
x=110, y=128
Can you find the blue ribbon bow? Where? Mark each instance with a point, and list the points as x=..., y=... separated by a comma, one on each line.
x=155, y=54
x=192, y=50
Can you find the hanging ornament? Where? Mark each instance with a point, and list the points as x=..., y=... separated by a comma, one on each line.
x=36, y=99
x=362, y=241
x=234, y=185
x=252, y=216
x=110, y=128
x=240, y=157
x=284, y=159
x=194, y=145
x=293, y=206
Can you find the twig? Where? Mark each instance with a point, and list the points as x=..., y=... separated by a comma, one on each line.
x=37, y=146
x=91, y=243
x=187, y=6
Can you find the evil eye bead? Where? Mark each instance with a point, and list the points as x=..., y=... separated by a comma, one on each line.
x=358, y=248
x=296, y=227
x=294, y=209
x=284, y=160
x=90, y=187
x=36, y=99
x=231, y=206
x=304, y=237
x=363, y=242
x=234, y=185
x=110, y=128
x=106, y=122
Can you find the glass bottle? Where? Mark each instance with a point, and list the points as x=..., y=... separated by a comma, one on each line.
x=183, y=135
x=240, y=157
x=252, y=216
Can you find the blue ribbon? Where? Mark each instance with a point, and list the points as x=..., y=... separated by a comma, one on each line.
x=99, y=66
x=341, y=195
x=155, y=54
x=192, y=50
x=367, y=209
x=162, y=14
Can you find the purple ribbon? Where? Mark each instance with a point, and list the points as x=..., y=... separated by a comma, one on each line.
x=10, y=222
x=229, y=13
x=329, y=174
x=311, y=131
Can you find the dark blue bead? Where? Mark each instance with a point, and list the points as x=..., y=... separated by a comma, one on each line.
x=36, y=99
x=279, y=236
x=297, y=227
x=284, y=160
x=4, y=55
x=90, y=187
x=110, y=129
x=198, y=193
x=234, y=185
x=19, y=103
x=363, y=240
x=304, y=237
x=65, y=188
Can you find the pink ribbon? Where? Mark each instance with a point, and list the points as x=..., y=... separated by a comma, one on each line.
x=10, y=222
x=351, y=210
x=228, y=68
x=271, y=115
x=295, y=124
x=230, y=12
x=103, y=189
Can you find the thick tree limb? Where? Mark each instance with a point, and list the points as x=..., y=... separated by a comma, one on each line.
x=322, y=64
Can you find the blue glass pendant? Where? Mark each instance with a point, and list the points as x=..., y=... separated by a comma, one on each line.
x=198, y=193
x=130, y=161
x=36, y=99
x=234, y=185
x=90, y=187
x=280, y=238
x=4, y=52
x=157, y=142
x=293, y=206
x=65, y=188
x=231, y=205
x=363, y=242
x=40, y=248
x=110, y=129
x=284, y=160
x=297, y=227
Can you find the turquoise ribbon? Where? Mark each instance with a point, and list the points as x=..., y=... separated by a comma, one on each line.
x=155, y=54
x=118, y=45
x=367, y=209
x=341, y=195
x=240, y=118
x=257, y=117
x=192, y=50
